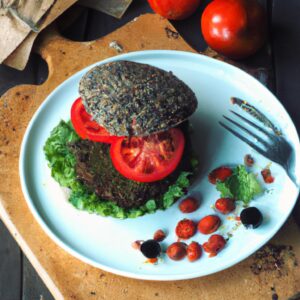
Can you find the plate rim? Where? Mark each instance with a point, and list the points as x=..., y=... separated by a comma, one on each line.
x=69, y=249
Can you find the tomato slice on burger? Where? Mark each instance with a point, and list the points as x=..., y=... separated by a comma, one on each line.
x=149, y=158
x=86, y=127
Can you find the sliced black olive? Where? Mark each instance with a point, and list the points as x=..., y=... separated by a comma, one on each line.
x=151, y=249
x=251, y=217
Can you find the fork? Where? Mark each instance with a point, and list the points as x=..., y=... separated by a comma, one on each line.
x=277, y=149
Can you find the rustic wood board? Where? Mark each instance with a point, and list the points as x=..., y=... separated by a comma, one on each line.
x=67, y=277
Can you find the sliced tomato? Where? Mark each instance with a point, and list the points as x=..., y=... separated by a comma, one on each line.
x=86, y=127
x=149, y=158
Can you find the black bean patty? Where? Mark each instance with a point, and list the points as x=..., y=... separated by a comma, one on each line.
x=95, y=170
x=129, y=98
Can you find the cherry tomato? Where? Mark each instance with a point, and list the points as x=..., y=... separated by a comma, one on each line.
x=174, y=9
x=209, y=224
x=234, y=28
x=194, y=251
x=85, y=127
x=225, y=205
x=149, y=158
x=188, y=205
x=267, y=176
x=221, y=174
x=185, y=229
x=176, y=251
x=214, y=245
x=159, y=235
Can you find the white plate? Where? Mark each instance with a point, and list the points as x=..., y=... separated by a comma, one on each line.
x=106, y=242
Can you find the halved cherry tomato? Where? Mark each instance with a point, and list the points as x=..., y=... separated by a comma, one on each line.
x=221, y=174
x=85, y=127
x=149, y=158
x=214, y=245
x=194, y=251
x=177, y=251
x=185, y=229
x=209, y=224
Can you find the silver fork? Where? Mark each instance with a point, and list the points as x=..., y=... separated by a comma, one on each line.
x=277, y=149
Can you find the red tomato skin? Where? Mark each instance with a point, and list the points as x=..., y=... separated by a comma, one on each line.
x=177, y=251
x=209, y=224
x=188, y=205
x=214, y=245
x=185, y=229
x=225, y=205
x=234, y=28
x=85, y=127
x=267, y=176
x=174, y=9
x=75, y=111
x=221, y=174
x=159, y=235
x=194, y=251
x=249, y=160
x=128, y=172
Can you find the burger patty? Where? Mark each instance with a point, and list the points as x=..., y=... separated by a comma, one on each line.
x=129, y=98
x=95, y=170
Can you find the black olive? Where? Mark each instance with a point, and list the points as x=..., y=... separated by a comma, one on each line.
x=151, y=249
x=251, y=217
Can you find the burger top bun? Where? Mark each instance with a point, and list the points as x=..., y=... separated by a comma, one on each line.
x=129, y=98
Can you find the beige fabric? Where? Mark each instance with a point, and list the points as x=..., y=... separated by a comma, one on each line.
x=19, y=57
x=17, y=19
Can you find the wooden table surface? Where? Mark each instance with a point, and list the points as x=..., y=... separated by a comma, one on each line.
x=18, y=280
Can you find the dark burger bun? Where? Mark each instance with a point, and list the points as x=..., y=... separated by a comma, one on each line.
x=129, y=98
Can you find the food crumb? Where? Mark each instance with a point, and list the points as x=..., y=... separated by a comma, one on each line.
x=159, y=235
x=267, y=175
x=137, y=244
x=273, y=258
x=171, y=33
x=248, y=160
x=117, y=46
x=274, y=296
x=152, y=261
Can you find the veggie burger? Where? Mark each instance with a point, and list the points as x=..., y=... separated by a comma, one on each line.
x=126, y=151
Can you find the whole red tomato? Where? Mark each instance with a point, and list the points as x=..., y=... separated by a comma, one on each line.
x=234, y=28
x=174, y=9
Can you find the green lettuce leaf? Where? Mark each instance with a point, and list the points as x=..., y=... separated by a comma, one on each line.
x=62, y=164
x=241, y=185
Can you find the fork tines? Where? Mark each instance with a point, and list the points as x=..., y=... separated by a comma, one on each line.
x=249, y=132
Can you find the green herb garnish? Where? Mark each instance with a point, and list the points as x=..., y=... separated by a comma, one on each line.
x=241, y=185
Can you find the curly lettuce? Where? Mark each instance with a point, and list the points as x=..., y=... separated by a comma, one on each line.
x=241, y=185
x=62, y=164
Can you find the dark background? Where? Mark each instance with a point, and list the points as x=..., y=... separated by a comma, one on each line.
x=18, y=280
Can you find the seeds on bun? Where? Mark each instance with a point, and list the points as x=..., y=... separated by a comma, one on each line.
x=129, y=98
